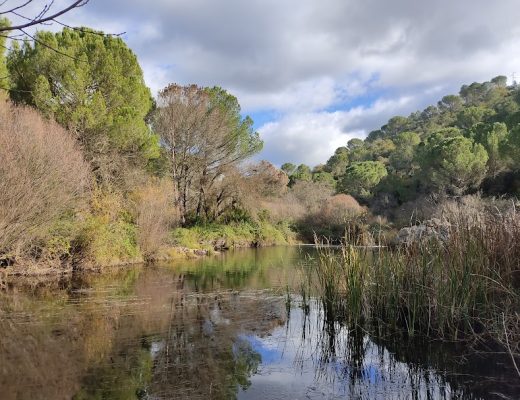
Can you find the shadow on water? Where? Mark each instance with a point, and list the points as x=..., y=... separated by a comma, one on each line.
x=214, y=328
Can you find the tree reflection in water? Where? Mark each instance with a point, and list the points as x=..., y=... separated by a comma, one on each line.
x=215, y=329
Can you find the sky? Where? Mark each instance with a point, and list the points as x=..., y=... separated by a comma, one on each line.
x=315, y=74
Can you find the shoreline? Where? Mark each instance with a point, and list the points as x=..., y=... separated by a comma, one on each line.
x=33, y=269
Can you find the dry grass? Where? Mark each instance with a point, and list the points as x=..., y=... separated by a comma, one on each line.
x=42, y=175
x=155, y=216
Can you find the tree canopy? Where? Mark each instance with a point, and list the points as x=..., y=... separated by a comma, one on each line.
x=205, y=137
x=362, y=177
x=91, y=84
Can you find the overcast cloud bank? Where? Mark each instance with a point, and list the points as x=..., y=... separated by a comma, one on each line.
x=325, y=71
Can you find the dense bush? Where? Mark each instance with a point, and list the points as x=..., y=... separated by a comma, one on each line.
x=155, y=216
x=233, y=235
x=108, y=233
x=42, y=177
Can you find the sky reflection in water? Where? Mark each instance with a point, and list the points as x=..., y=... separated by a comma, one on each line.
x=214, y=328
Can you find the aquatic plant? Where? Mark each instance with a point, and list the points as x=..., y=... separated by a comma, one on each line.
x=464, y=286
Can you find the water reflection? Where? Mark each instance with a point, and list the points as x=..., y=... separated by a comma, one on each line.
x=331, y=362
x=213, y=328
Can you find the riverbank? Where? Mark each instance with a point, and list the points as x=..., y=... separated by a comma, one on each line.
x=182, y=244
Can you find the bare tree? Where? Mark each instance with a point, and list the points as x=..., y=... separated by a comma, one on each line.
x=46, y=14
x=182, y=117
x=205, y=137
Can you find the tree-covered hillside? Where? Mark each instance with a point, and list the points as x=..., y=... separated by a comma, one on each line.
x=465, y=143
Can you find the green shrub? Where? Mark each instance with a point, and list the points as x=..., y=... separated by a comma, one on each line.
x=108, y=234
x=108, y=243
x=232, y=235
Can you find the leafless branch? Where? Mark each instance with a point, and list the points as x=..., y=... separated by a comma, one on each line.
x=41, y=18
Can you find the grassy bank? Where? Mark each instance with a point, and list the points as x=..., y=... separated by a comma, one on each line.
x=465, y=286
x=233, y=235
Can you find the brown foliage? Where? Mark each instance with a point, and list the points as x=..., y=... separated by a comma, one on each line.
x=42, y=175
x=286, y=208
x=312, y=195
x=340, y=208
x=265, y=180
x=155, y=216
x=262, y=186
x=204, y=140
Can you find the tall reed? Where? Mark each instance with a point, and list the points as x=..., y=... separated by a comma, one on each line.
x=463, y=284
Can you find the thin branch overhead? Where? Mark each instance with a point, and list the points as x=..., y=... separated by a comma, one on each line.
x=34, y=14
x=46, y=14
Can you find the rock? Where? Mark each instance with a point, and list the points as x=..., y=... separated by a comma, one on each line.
x=200, y=252
x=431, y=229
x=220, y=244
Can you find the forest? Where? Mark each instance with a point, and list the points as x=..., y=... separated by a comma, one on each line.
x=96, y=171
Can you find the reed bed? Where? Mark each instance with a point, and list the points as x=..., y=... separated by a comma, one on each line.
x=463, y=285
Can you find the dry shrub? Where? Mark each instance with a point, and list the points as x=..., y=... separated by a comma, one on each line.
x=312, y=195
x=155, y=215
x=493, y=223
x=481, y=252
x=463, y=287
x=332, y=217
x=340, y=209
x=42, y=175
x=261, y=188
x=417, y=210
x=286, y=208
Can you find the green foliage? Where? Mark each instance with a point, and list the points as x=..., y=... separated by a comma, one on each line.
x=107, y=243
x=235, y=234
x=362, y=177
x=450, y=103
x=513, y=146
x=108, y=234
x=380, y=150
x=469, y=117
x=337, y=164
x=288, y=168
x=302, y=173
x=393, y=127
x=242, y=140
x=402, y=159
x=92, y=84
x=494, y=137
x=455, y=164
x=61, y=237
x=326, y=177
x=465, y=142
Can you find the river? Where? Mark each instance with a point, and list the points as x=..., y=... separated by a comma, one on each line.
x=220, y=327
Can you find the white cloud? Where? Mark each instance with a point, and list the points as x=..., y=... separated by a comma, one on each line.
x=264, y=47
x=315, y=94
x=301, y=57
x=312, y=137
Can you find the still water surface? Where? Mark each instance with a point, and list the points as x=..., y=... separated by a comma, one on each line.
x=215, y=328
